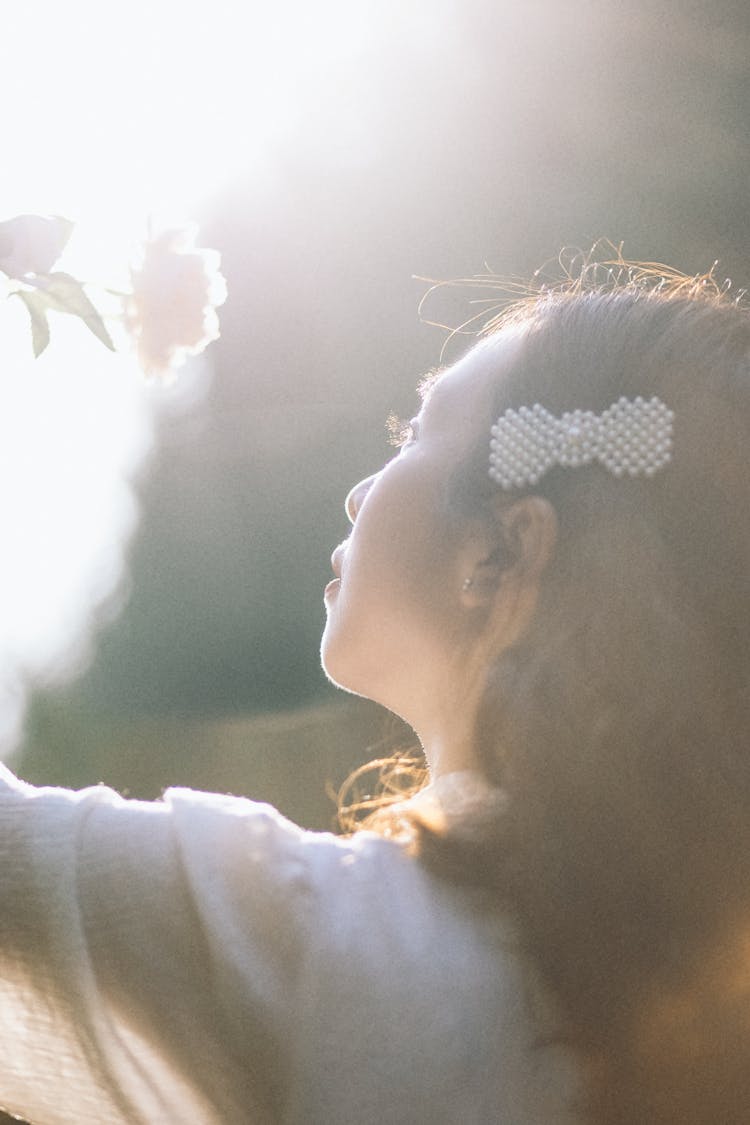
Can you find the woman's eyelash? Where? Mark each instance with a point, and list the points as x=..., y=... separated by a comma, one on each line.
x=401, y=432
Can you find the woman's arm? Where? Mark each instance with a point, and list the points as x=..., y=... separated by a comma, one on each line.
x=148, y=953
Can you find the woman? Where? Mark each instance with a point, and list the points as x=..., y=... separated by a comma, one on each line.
x=555, y=929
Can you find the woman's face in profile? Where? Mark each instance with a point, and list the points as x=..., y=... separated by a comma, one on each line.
x=396, y=594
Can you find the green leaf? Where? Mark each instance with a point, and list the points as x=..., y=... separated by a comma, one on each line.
x=39, y=322
x=64, y=293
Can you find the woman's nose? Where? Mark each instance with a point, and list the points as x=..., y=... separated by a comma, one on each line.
x=353, y=502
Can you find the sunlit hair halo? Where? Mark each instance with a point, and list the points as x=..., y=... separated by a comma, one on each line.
x=507, y=301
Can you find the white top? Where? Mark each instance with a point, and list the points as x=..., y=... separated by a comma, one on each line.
x=200, y=959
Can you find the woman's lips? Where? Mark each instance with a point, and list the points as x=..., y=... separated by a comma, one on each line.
x=332, y=586
x=337, y=560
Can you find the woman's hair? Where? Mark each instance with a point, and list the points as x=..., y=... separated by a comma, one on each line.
x=619, y=725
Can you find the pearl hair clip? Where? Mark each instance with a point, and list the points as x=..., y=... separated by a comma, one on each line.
x=633, y=437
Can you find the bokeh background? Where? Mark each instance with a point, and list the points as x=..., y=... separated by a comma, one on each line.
x=332, y=153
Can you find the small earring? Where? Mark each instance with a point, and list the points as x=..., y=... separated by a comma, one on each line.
x=467, y=584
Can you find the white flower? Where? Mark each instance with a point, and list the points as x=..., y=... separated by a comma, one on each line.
x=31, y=244
x=171, y=312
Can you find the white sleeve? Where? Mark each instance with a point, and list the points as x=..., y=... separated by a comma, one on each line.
x=148, y=955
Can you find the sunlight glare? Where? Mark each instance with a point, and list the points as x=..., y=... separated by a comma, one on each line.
x=154, y=108
x=74, y=427
x=114, y=116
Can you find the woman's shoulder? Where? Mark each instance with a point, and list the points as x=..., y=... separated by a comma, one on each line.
x=365, y=886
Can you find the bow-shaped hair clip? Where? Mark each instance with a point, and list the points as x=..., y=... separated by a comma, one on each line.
x=633, y=437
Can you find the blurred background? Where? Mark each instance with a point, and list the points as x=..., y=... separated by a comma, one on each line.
x=166, y=546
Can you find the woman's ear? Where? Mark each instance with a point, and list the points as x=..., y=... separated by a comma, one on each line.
x=509, y=554
x=530, y=527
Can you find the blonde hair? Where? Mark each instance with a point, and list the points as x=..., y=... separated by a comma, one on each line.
x=619, y=725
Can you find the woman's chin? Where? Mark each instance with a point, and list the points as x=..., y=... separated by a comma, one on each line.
x=336, y=671
x=331, y=663
x=338, y=665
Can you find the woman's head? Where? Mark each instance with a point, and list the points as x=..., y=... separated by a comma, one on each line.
x=567, y=351
x=631, y=573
